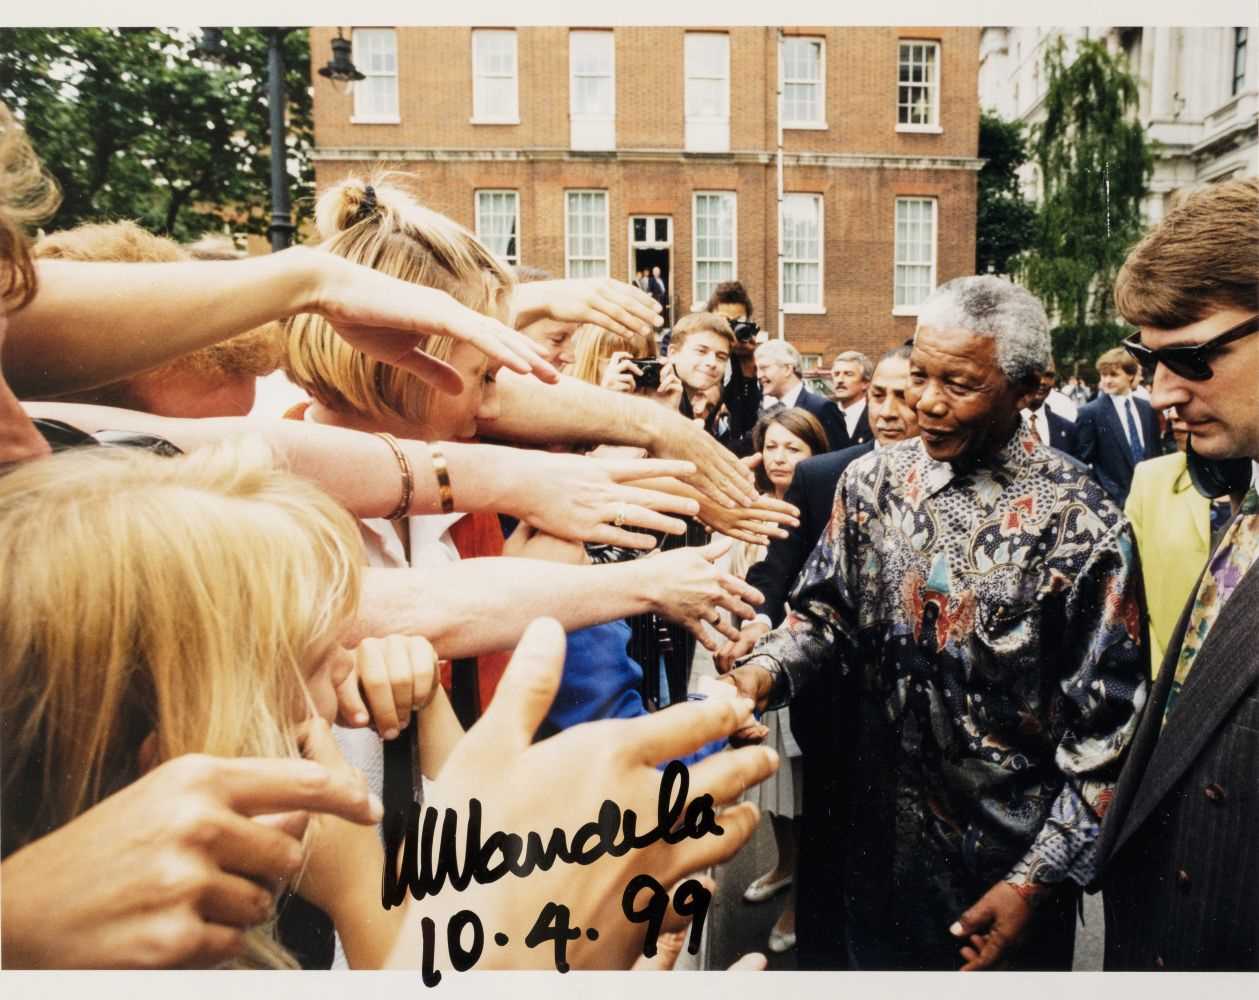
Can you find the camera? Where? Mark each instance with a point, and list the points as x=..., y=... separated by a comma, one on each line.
x=745, y=330
x=649, y=368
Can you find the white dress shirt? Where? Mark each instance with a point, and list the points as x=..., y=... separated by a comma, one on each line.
x=852, y=414
x=1121, y=404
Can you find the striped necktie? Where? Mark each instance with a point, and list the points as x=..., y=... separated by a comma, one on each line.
x=1237, y=552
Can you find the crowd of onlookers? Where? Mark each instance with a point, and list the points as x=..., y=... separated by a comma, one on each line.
x=516, y=541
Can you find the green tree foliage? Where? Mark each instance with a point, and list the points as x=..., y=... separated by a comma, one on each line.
x=1095, y=163
x=137, y=123
x=1006, y=222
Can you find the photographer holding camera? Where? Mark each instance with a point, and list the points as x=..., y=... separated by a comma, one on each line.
x=742, y=392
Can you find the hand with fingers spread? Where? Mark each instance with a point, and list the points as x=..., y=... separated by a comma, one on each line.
x=170, y=870
x=394, y=675
x=719, y=475
x=588, y=499
x=994, y=926
x=498, y=764
x=755, y=523
x=605, y=302
x=386, y=318
x=691, y=591
x=619, y=373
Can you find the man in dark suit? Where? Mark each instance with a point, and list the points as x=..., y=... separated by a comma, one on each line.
x=1179, y=854
x=1053, y=430
x=778, y=371
x=1117, y=430
x=850, y=377
x=656, y=289
x=815, y=719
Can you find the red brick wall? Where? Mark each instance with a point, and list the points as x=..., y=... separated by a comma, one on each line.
x=435, y=105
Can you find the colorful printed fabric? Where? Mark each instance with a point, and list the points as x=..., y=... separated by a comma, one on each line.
x=1236, y=553
x=988, y=624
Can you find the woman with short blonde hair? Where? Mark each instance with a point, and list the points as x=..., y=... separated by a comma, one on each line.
x=377, y=223
x=167, y=606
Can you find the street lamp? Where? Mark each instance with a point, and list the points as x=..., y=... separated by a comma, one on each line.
x=340, y=69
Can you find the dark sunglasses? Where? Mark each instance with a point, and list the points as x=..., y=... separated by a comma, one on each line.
x=1189, y=362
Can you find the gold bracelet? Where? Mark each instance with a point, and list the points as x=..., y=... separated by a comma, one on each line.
x=443, y=479
x=408, y=479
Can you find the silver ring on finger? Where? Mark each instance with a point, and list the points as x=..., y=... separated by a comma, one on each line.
x=619, y=518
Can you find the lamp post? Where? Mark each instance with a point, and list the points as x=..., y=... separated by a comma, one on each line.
x=281, y=228
x=340, y=69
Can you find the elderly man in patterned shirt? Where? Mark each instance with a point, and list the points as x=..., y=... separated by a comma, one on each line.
x=979, y=593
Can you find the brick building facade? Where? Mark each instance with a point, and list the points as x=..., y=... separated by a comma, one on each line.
x=598, y=152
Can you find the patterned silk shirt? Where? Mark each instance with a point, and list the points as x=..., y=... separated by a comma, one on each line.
x=988, y=624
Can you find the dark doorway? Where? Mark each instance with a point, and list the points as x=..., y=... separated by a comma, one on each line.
x=644, y=260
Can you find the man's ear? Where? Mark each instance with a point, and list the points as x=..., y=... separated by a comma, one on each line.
x=1025, y=388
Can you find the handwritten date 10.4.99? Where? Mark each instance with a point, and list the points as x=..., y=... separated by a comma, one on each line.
x=690, y=899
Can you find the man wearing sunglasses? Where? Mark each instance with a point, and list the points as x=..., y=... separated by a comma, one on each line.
x=1180, y=845
x=1117, y=430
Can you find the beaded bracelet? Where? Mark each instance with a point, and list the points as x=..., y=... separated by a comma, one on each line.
x=408, y=479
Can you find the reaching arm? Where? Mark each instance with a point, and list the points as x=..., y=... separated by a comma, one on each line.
x=572, y=411
x=566, y=495
x=94, y=323
x=476, y=606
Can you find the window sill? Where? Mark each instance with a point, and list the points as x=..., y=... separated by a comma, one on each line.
x=379, y=120
x=906, y=310
x=803, y=310
x=922, y=129
x=493, y=121
x=806, y=126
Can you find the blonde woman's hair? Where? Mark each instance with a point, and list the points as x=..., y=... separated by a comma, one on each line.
x=593, y=345
x=179, y=597
x=252, y=354
x=28, y=194
x=389, y=231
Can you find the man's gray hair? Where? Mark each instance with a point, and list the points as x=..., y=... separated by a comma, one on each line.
x=779, y=352
x=991, y=306
x=856, y=357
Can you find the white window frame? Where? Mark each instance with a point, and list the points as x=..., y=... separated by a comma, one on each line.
x=933, y=126
x=696, y=260
x=818, y=307
x=607, y=235
x=711, y=133
x=912, y=310
x=591, y=131
x=818, y=124
x=507, y=118
x=357, y=39
x=1237, y=84
x=480, y=232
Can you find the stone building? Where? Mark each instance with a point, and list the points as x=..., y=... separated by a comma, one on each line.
x=1199, y=96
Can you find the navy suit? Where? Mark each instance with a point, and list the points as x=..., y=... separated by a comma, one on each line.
x=1102, y=442
x=817, y=720
x=1062, y=433
x=828, y=416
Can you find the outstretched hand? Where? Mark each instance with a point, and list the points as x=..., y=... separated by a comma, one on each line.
x=386, y=318
x=593, y=499
x=172, y=869
x=498, y=763
x=693, y=591
x=605, y=302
